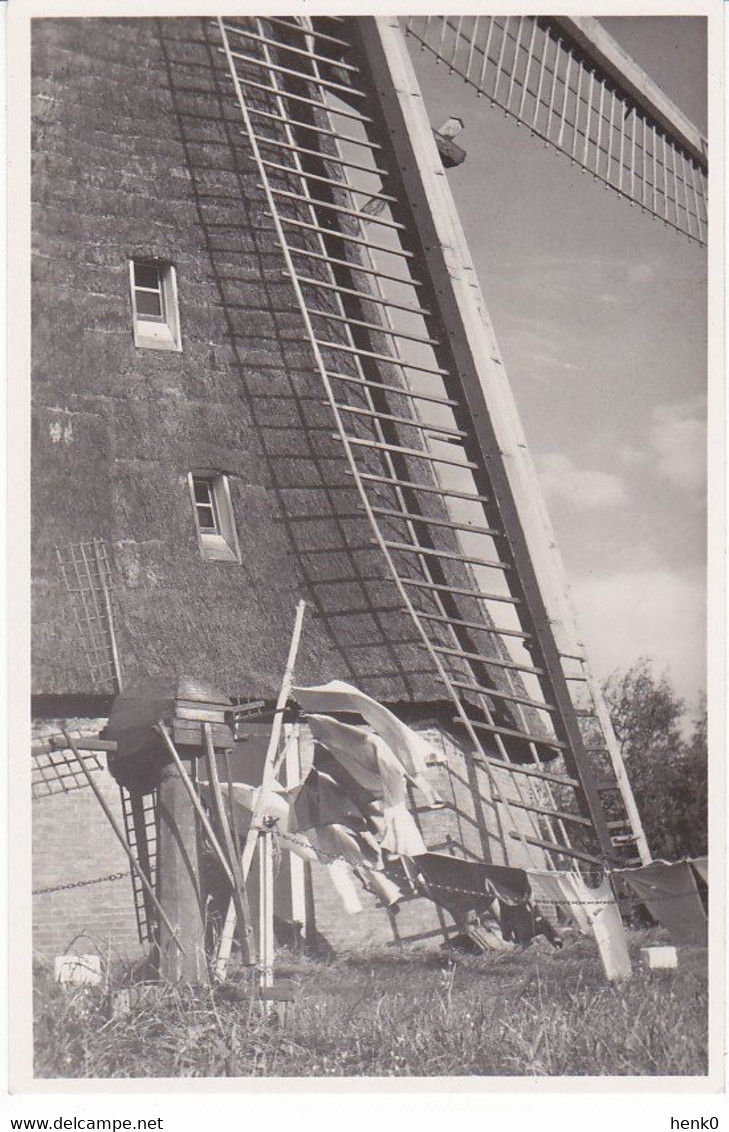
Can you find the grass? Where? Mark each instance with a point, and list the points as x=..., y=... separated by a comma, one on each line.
x=409, y=1013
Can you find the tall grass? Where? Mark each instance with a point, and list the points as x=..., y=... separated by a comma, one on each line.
x=390, y=1014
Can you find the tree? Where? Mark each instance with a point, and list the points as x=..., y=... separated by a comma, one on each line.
x=667, y=767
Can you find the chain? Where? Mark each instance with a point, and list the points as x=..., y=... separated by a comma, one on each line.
x=79, y=883
x=428, y=884
x=472, y=892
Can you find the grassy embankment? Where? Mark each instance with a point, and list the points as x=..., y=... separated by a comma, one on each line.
x=418, y=1013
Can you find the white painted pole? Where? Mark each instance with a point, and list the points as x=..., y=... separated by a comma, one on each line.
x=269, y=775
x=296, y=864
x=265, y=904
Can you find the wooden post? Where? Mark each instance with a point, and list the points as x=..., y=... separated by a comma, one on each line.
x=238, y=893
x=265, y=927
x=178, y=880
x=296, y=865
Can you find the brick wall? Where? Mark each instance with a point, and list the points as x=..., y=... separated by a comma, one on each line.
x=72, y=841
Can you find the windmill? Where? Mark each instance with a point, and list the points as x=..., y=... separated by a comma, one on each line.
x=378, y=273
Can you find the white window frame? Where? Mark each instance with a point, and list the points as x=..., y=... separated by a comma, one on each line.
x=221, y=543
x=153, y=332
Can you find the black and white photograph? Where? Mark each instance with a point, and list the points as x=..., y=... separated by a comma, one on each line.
x=370, y=368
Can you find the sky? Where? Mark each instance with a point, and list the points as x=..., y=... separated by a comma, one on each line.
x=600, y=314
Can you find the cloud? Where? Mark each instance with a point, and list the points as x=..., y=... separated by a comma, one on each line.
x=678, y=439
x=630, y=456
x=641, y=273
x=655, y=613
x=585, y=490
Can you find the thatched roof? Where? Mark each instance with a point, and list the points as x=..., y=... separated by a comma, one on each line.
x=139, y=152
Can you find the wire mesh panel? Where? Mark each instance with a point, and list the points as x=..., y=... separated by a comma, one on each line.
x=390, y=372
x=533, y=70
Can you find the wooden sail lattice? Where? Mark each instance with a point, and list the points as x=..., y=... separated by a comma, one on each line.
x=415, y=436
x=56, y=770
x=567, y=82
x=86, y=574
x=139, y=813
x=86, y=571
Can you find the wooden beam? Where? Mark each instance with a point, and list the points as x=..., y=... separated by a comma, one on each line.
x=477, y=363
x=179, y=888
x=243, y=912
x=564, y=850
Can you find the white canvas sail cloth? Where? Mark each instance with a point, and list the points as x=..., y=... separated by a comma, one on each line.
x=278, y=807
x=331, y=845
x=592, y=909
x=369, y=760
x=410, y=749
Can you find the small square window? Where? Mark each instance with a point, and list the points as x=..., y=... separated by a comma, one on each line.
x=214, y=519
x=154, y=305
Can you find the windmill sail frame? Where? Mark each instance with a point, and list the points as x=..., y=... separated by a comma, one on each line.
x=569, y=82
x=299, y=83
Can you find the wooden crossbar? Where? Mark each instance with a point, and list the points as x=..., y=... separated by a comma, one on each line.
x=434, y=489
x=515, y=733
x=329, y=206
x=302, y=98
x=365, y=295
x=288, y=47
x=560, y=815
x=461, y=590
x=304, y=175
x=327, y=84
x=403, y=450
x=511, y=697
x=331, y=158
x=528, y=770
x=419, y=517
x=309, y=33
x=313, y=128
x=411, y=422
x=337, y=234
x=554, y=847
x=332, y=261
x=446, y=555
x=377, y=327
x=485, y=627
